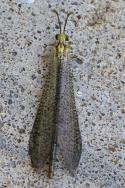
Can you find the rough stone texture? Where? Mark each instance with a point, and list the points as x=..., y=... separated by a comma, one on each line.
x=97, y=30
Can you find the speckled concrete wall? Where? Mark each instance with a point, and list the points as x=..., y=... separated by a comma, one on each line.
x=97, y=30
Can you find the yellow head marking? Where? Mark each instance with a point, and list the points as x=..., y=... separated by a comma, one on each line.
x=62, y=37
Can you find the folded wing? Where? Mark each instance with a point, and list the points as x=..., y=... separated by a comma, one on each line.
x=69, y=136
x=43, y=133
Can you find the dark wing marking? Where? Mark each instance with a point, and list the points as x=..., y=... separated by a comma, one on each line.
x=41, y=144
x=69, y=136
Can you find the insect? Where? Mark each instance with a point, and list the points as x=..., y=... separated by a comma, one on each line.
x=56, y=120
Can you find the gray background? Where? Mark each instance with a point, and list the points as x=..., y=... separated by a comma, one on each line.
x=27, y=32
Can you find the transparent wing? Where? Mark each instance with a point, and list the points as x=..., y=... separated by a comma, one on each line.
x=69, y=136
x=41, y=144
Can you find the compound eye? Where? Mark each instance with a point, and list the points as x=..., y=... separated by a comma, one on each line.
x=56, y=36
x=67, y=38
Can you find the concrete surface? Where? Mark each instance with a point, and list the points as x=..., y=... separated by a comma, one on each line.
x=97, y=30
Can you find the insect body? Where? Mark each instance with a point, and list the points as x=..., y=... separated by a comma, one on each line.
x=57, y=120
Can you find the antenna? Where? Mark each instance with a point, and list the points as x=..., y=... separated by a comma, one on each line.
x=66, y=21
x=58, y=20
